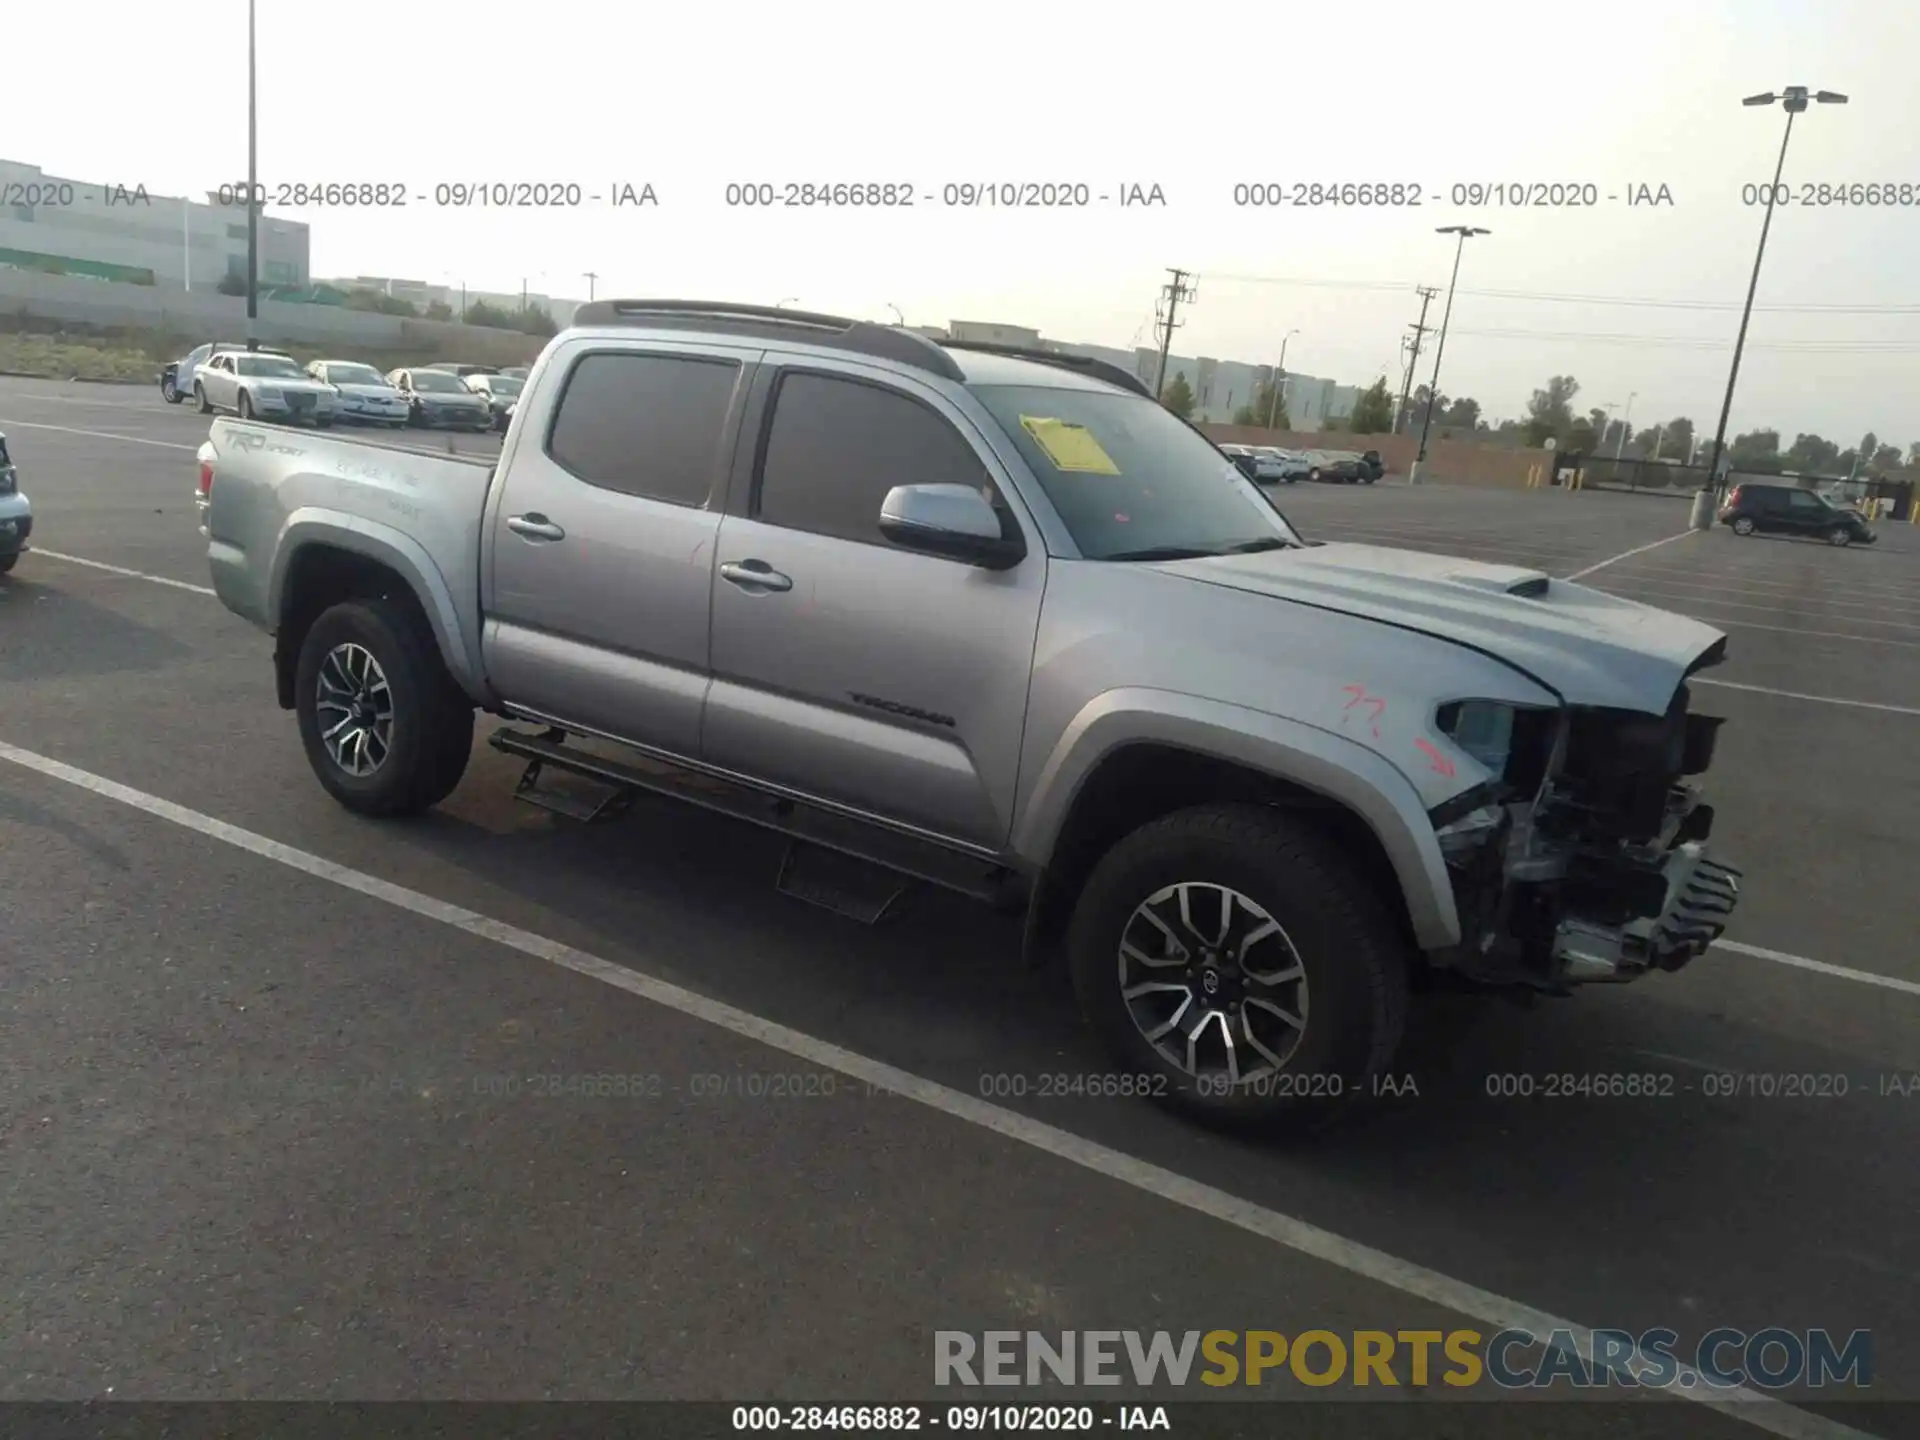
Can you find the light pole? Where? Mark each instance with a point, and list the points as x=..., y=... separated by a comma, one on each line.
x=1465, y=232
x=1794, y=99
x=1626, y=424
x=253, y=193
x=1279, y=379
x=592, y=278
x=898, y=318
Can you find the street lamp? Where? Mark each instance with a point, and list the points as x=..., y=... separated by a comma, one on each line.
x=1793, y=99
x=1279, y=379
x=782, y=304
x=1626, y=424
x=898, y=318
x=253, y=193
x=1465, y=232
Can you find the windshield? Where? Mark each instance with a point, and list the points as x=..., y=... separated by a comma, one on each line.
x=504, y=385
x=439, y=380
x=354, y=375
x=268, y=365
x=1129, y=479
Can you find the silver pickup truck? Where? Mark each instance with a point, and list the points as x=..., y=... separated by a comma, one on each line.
x=993, y=620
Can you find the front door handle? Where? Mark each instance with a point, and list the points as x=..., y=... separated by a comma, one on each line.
x=754, y=576
x=535, y=526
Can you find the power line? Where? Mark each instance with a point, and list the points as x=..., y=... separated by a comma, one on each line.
x=1558, y=298
x=1685, y=342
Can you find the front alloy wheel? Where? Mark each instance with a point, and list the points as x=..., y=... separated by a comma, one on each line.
x=1213, y=983
x=354, y=705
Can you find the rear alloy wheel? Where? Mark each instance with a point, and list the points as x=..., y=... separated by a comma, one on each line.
x=245, y=406
x=1840, y=535
x=1234, y=961
x=385, y=727
x=1743, y=525
x=1314, y=475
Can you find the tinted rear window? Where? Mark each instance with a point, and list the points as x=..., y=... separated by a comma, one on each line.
x=646, y=425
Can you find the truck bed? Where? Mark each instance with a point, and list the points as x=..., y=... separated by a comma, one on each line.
x=277, y=488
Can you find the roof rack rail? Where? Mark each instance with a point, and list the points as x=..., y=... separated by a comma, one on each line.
x=1086, y=364
x=770, y=322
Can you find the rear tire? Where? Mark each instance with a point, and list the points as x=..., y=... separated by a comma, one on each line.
x=1352, y=967
x=244, y=406
x=430, y=730
x=1743, y=525
x=169, y=392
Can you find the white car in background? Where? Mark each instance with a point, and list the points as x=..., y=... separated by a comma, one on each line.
x=366, y=396
x=1286, y=466
x=258, y=386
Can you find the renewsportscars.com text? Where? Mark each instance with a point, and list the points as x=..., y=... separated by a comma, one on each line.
x=1769, y=1359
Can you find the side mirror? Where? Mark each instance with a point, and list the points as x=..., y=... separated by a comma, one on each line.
x=955, y=521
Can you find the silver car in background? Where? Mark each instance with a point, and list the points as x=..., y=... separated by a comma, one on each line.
x=256, y=385
x=366, y=396
x=500, y=392
x=16, y=514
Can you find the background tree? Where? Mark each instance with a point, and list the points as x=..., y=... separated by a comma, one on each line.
x=1178, y=396
x=1256, y=411
x=1613, y=437
x=1373, y=411
x=1810, y=453
x=379, y=302
x=439, y=310
x=232, y=284
x=1550, y=411
x=535, y=321
x=479, y=312
x=1417, y=404
x=1676, y=441
x=1581, y=437
x=1869, y=446
x=1460, y=414
x=1757, y=450
x=1887, y=457
x=1913, y=453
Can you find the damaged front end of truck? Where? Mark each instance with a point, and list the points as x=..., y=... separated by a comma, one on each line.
x=1586, y=858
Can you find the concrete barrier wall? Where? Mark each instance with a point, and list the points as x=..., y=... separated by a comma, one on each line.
x=209, y=313
x=1449, y=461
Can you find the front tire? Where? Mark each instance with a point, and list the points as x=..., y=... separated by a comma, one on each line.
x=1743, y=525
x=1245, y=918
x=1840, y=535
x=1314, y=475
x=7, y=562
x=169, y=392
x=244, y=406
x=386, y=729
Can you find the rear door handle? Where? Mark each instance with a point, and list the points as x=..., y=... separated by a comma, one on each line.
x=754, y=575
x=535, y=526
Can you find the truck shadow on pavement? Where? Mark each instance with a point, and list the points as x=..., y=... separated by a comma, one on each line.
x=1480, y=1181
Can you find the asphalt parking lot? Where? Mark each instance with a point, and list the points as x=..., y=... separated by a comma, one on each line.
x=258, y=1141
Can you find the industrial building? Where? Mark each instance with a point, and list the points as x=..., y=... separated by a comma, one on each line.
x=116, y=230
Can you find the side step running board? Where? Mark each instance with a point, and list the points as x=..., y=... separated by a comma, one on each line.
x=816, y=865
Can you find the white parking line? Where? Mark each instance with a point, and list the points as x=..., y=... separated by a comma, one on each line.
x=1776, y=608
x=1754, y=1407
x=1820, y=967
x=122, y=570
x=1799, y=695
x=96, y=434
x=1814, y=634
x=1624, y=554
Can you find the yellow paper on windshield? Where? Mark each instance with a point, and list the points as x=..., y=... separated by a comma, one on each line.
x=1069, y=446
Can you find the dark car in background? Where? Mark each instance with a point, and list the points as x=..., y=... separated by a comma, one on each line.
x=439, y=399
x=500, y=393
x=1371, y=466
x=1760, y=509
x=1341, y=467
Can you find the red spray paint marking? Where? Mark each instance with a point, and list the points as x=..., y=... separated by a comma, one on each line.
x=1441, y=764
x=1378, y=707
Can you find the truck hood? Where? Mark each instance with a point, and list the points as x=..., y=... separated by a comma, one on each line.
x=1590, y=647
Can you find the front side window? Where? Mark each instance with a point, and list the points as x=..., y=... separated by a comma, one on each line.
x=647, y=425
x=1129, y=479
x=836, y=447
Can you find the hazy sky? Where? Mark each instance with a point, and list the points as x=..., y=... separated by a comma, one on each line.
x=690, y=97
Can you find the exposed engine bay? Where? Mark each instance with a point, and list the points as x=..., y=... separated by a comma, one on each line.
x=1586, y=861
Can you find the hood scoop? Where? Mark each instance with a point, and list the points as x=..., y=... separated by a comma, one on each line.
x=1499, y=580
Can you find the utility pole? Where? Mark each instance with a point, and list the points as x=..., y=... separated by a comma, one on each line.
x=590, y=278
x=1173, y=292
x=1626, y=425
x=1426, y=292
x=253, y=193
x=1466, y=233
x=1279, y=382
